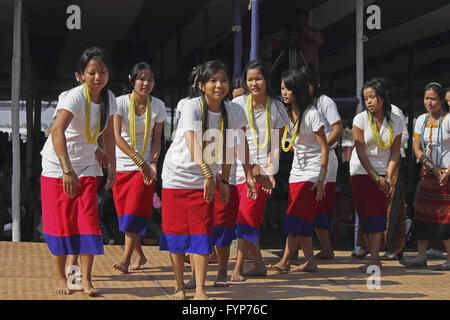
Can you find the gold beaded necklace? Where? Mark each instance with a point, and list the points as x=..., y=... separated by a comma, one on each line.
x=148, y=120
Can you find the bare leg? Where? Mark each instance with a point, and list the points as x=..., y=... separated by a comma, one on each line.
x=324, y=238
x=130, y=242
x=242, y=251
x=87, y=261
x=310, y=264
x=201, y=267
x=72, y=260
x=284, y=264
x=191, y=282
x=140, y=256
x=260, y=267
x=177, y=260
x=422, y=246
x=60, y=276
x=223, y=255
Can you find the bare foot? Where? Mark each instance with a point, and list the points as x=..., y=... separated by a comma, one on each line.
x=61, y=287
x=221, y=281
x=325, y=255
x=237, y=277
x=200, y=294
x=121, y=267
x=306, y=267
x=281, y=268
x=89, y=288
x=191, y=284
x=138, y=263
x=179, y=294
x=256, y=272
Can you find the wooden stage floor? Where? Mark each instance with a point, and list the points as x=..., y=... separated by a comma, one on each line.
x=27, y=274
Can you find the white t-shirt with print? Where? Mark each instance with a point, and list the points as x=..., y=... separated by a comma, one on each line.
x=158, y=115
x=307, y=151
x=431, y=139
x=81, y=153
x=379, y=158
x=179, y=170
x=279, y=119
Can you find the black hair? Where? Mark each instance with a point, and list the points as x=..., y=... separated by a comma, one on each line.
x=193, y=89
x=135, y=72
x=236, y=84
x=296, y=81
x=98, y=53
x=312, y=77
x=381, y=92
x=257, y=64
x=441, y=91
x=206, y=72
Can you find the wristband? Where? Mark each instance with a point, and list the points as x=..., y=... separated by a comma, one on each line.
x=224, y=181
x=65, y=164
x=206, y=170
x=138, y=160
x=428, y=164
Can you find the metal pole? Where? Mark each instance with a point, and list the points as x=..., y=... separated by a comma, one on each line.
x=237, y=39
x=254, y=51
x=411, y=156
x=359, y=51
x=15, y=135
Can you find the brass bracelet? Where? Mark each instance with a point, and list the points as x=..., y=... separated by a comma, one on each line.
x=206, y=170
x=65, y=164
x=137, y=159
x=323, y=174
x=374, y=176
x=428, y=164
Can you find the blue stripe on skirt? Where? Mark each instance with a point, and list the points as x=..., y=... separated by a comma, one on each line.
x=189, y=243
x=246, y=232
x=134, y=224
x=222, y=236
x=75, y=244
x=297, y=226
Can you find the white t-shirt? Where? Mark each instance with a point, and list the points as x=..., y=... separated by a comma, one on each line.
x=307, y=151
x=180, y=107
x=179, y=171
x=430, y=139
x=81, y=153
x=158, y=109
x=379, y=158
x=405, y=135
x=330, y=115
x=279, y=119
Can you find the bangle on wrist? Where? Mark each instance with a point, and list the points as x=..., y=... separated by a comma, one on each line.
x=323, y=174
x=137, y=159
x=65, y=164
x=224, y=181
x=206, y=170
x=374, y=176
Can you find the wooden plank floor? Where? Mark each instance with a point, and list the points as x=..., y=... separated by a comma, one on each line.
x=27, y=274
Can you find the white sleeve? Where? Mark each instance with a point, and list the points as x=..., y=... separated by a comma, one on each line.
x=282, y=116
x=315, y=120
x=120, y=106
x=112, y=103
x=358, y=120
x=72, y=101
x=331, y=112
x=419, y=124
x=191, y=117
x=161, y=115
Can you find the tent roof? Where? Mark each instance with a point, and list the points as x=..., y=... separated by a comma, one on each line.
x=135, y=30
